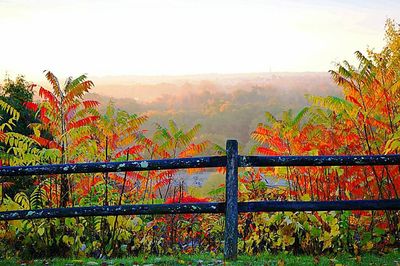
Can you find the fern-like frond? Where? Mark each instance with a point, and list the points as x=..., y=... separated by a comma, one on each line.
x=300, y=115
x=270, y=118
x=79, y=90
x=90, y=103
x=72, y=83
x=82, y=122
x=218, y=149
x=194, y=149
x=190, y=135
x=23, y=200
x=334, y=103
x=37, y=198
x=260, y=134
x=173, y=127
x=12, y=112
x=54, y=82
x=49, y=96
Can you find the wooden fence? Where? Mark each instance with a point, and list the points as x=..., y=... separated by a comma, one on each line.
x=231, y=207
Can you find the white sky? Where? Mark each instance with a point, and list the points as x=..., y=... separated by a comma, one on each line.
x=174, y=37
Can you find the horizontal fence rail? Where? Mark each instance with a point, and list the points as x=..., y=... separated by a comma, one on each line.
x=334, y=160
x=104, y=167
x=141, y=209
x=231, y=207
x=199, y=162
x=356, y=205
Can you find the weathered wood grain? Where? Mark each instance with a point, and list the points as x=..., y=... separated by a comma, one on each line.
x=273, y=206
x=231, y=213
x=259, y=161
x=214, y=207
x=103, y=167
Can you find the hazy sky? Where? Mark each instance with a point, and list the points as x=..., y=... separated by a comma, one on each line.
x=185, y=37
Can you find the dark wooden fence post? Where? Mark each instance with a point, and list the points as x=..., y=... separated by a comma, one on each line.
x=231, y=211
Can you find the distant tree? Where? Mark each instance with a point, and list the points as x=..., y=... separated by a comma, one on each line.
x=16, y=93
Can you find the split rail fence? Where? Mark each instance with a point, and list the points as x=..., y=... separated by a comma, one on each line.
x=231, y=207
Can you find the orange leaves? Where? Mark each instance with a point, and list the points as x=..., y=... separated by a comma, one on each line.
x=82, y=122
x=90, y=103
x=379, y=124
x=194, y=149
x=162, y=153
x=260, y=134
x=135, y=175
x=161, y=183
x=46, y=143
x=131, y=150
x=185, y=199
x=120, y=180
x=86, y=183
x=353, y=100
x=162, y=178
x=2, y=135
x=266, y=151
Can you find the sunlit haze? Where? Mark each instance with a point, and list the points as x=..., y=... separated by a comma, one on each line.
x=185, y=37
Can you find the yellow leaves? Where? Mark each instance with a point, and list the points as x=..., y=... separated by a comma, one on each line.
x=255, y=236
x=111, y=220
x=335, y=231
x=136, y=224
x=288, y=240
x=68, y=240
x=393, y=143
x=281, y=171
x=286, y=237
x=190, y=134
x=41, y=231
x=249, y=246
x=70, y=222
x=124, y=235
x=19, y=141
x=242, y=188
x=80, y=229
x=368, y=246
x=10, y=111
x=22, y=199
x=97, y=223
x=305, y=197
x=96, y=244
x=326, y=238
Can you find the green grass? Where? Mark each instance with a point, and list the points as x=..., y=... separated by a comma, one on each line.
x=392, y=258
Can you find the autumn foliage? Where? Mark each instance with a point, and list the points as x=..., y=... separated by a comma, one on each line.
x=71, y=129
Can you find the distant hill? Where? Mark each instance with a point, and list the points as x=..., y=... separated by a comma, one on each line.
x=228, y=106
